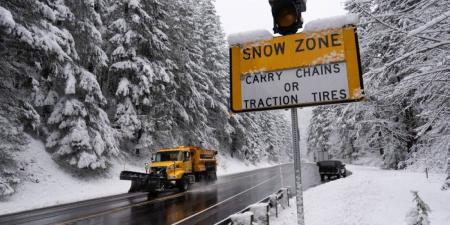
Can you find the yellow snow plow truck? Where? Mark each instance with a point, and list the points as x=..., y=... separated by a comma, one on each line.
x=174, y=167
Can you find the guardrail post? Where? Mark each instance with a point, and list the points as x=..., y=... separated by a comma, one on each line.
x=274, y=203
x=288, y=196
x=284, y=197
x=276, y=209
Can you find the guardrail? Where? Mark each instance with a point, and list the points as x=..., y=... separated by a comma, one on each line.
x=260, y=212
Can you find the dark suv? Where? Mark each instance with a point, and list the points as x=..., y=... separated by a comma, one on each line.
x=331, y=168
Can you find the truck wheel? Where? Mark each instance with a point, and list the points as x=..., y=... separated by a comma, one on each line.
x=183, y=184
x=322, y=177
x=213, y=175
x=152, y=193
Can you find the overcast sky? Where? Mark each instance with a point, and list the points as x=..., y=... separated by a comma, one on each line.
x=245, y=15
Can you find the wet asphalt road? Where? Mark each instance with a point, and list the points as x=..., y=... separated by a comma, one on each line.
x=203, y=204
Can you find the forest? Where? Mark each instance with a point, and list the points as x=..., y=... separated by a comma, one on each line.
x=97, y=80
x=405, y=118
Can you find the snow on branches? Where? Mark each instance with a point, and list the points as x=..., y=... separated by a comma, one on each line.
x=418, y=215
x=405, y=120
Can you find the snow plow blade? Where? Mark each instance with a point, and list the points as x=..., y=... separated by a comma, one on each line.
x=141, y=182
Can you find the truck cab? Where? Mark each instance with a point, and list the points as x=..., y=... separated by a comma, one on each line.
x=176, y=163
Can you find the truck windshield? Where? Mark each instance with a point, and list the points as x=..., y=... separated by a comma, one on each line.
x=167, y=156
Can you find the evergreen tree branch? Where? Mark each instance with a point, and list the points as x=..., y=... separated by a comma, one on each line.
x=396, y=28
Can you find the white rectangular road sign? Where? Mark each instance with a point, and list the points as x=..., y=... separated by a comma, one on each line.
x=307, y=85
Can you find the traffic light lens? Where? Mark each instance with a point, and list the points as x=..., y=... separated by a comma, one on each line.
x=286, y=18
x=287, y=15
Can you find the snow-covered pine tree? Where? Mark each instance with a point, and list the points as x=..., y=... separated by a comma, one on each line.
x=86, y=28
x=418, y=215
x=429, y=43
x=81, y=134
x=89, y=42
x=61, y=86
x=216, y=64
x=269, y=135
x=446, y=185
x=22, y=49
x=138, y=70
x=85, y=93
x=273, y=136
x=283, y=135
x=249, y=134
x=186, y=103
x=12, y=139
x=319, y=130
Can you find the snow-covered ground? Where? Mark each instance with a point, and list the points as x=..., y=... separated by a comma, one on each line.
x=371, y=196
x=47, y=184
x=228, y=165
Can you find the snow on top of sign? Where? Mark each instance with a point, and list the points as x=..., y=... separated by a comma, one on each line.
x=331, y=22
x=249, y=36
x=331, y=57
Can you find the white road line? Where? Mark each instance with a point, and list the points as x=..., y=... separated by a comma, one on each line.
x=226, y=200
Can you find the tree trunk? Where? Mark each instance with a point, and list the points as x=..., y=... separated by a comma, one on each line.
x=446, y=185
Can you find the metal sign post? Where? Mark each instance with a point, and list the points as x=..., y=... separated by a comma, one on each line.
x=297, y=167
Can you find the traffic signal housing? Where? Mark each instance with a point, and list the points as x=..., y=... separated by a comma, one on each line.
x=287, y=15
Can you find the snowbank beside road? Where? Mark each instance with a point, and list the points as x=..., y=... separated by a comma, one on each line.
x=228, y=165
x=47, y=184
x=371, y=196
